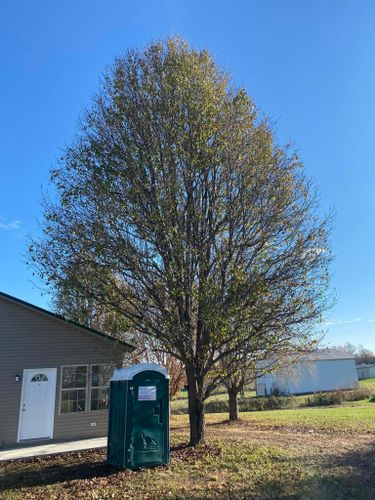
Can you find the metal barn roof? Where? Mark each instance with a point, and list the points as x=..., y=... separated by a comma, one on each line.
x=327, y=354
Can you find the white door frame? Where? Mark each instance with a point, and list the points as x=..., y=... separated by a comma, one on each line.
x=54, y=371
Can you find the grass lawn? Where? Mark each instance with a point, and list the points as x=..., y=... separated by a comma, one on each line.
x=356, y=418
x=180, y=403
x=305, y=453
x=368, y=382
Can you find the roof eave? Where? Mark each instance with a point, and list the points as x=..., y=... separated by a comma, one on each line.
x=127, y=347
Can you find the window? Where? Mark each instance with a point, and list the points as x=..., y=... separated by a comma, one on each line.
x=73, y=389
x=99, y=397
x=85, y=388
x=40, y=377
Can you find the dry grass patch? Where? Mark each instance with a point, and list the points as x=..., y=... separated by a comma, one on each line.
x=312, y=456
x=219, y=469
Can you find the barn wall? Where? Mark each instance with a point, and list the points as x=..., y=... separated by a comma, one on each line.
x=325, y=375
x=366, y=372
x=321, y=375
x=363, y=373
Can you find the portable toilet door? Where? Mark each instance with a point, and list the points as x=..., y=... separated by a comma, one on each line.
x=138, y=434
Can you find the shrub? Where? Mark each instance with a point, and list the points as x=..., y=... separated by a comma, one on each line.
x=268, y=403
x=217, y=406
x=253, y=404
x=284, y=402
x=219, y=390
x=337, y=397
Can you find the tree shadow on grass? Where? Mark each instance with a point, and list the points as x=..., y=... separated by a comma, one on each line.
x=51, y=474
x=226, y=421
x=357, y=466
x=348, y=475
x=44, y=471
x=313, y=488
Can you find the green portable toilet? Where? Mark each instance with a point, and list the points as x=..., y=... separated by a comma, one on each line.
x=138, y=431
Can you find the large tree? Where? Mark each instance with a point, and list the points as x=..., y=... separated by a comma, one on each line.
x=176, y=208
x=71, y=304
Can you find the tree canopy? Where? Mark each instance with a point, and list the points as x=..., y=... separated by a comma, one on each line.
x=177, y=209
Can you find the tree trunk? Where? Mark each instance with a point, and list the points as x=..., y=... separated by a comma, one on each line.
x=196, y=408
x=233, y=404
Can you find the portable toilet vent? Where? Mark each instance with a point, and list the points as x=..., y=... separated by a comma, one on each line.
x=138, y=431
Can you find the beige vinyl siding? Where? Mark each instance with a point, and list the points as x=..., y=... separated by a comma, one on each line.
x=30, y=339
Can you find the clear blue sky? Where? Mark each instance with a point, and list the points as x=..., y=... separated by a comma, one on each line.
x=309, y=64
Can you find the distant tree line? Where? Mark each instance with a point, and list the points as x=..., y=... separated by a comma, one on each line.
x=361, y=354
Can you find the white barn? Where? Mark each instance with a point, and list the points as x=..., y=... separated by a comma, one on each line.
x=322, y=370
x=366, y=371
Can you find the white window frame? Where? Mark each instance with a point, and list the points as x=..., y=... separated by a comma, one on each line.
x=74, y=389
x=91, y=387
x=87, y=388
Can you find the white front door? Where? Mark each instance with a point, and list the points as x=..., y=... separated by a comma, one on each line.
x=37, y=407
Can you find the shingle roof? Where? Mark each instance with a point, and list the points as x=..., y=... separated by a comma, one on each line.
x=58, y=317
x=328, y=353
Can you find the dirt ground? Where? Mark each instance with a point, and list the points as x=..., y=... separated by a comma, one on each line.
x=341, y=453
x=240, y=461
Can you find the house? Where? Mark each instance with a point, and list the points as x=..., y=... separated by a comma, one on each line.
x=366, y=371
x=321, y=370
x=54, y=375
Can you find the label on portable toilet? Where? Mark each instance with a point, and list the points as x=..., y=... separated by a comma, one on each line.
x=147, y=393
